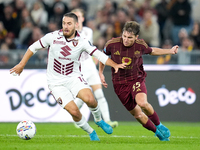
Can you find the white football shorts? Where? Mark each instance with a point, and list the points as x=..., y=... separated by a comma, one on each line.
x=90, y=72
x=67, y=92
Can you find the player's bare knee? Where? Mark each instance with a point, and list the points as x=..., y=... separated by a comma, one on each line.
x=90, y=101
x=143, y=105
x=138, y=116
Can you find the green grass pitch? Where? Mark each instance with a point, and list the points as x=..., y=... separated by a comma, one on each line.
x=127, y=136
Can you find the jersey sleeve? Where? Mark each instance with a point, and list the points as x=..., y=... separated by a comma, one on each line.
x=90, y=35
x=100, y=56
x=93, y=51
x=146, y=48
x=106, y=49
x=41, y=43
x=88, y=47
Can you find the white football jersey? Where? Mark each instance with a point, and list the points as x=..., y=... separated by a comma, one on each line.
x=64, y=55
x=86, y=33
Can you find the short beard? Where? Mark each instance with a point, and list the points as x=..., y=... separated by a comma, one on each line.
x=68, y=36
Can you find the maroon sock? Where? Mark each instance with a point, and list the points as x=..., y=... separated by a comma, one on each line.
x=154, y=118
x=150, y=126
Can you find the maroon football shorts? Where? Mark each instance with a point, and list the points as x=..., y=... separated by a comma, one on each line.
x=127, y=92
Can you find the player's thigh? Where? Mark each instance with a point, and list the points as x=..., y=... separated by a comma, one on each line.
x=124, y=94
x=141, y=99
x=87, y=96
x=93, y=78
x=61, y=94
x=90, y=72
x=139, y=91
x=76, y=85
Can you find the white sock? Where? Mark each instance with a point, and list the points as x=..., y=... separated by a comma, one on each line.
x=84, y=125
x=79, y=102
x=103, y=105
x=96, y=113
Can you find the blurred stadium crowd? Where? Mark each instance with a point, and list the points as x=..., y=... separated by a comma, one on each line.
x=164, y=23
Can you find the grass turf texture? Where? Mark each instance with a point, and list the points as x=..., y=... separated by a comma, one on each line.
x=127, y=136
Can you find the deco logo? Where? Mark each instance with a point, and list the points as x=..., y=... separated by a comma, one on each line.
x=33, y=96
x=174, y=97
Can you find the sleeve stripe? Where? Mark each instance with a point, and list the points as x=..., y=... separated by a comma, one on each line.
x=41, y=43
x=93, y=51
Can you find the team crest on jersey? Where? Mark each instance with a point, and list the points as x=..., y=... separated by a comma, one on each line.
x=59, y=101
x=75, y=43
x=126, y=60
x=137, y=53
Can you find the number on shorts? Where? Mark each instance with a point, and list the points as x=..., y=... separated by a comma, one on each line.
x=136, y=86
x=82, y=80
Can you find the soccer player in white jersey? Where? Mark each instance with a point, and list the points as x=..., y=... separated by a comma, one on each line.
x=90, y=72
x=63, y=75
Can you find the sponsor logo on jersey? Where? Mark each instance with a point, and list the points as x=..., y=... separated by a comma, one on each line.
x=65, y=51
x=126, y=60
x=59, y=42
x=117, y=53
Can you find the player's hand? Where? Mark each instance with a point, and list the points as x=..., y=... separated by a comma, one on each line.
x=174, y=49
x=122, y=66
x=102, y=77
x=17, y=69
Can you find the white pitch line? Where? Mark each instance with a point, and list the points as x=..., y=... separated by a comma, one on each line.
x=114, y=136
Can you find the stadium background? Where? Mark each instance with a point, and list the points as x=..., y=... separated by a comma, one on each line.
x=179, y=105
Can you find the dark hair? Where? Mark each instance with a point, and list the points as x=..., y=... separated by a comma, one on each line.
x=132, y=27
x=71, y=15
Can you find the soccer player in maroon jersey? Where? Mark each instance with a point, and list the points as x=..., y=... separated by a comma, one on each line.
x=129, y=83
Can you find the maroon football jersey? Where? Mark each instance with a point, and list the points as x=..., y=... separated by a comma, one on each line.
x=130, y=55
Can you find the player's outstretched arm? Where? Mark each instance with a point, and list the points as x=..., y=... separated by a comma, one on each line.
x=159, y=51
x=107, y=61
x=20, y=66
x=116, y=66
